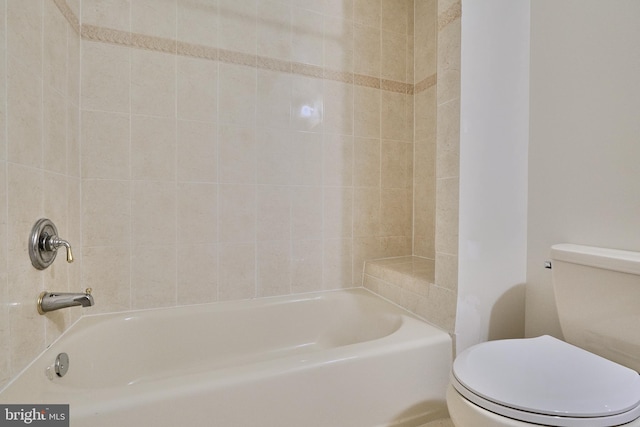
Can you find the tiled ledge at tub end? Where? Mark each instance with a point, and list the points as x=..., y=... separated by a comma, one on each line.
x=404, y=280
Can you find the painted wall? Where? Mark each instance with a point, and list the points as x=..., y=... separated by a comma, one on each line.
x=584, y=155
x=494, y=114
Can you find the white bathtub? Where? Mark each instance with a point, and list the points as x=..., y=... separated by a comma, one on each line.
x=330, y=359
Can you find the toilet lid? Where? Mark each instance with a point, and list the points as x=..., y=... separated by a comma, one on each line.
x=549, y=377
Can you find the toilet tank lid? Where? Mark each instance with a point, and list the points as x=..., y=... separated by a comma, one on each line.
x=609, y=259
x=547, y=376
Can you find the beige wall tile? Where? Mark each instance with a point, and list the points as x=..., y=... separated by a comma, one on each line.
x=339, y=8
x=424, y=220
x=440, y=308
x=367, y=112
x=197, y=274
x=337, y=264
x=24, y=33
x=25, y=187
x=115, y=14
x=274, y=156
x=307, y=104
x=449, y=62
x=338, y=160
x=238, y=159
x=55, y=48
x=55, y=206
x=54, y=141
x=73, y=140
x=24, y=115
x=273, y=108
x=338, y=43
x=273, y=213
x=396, y=164
x=153, y=277
x=27, y=335
x=237, y=213
x=106, y=213
x=394, y=115
x=410, y=59
x=5, y=341
x=154, y=17
x=153, y=148
x=306, y=159
x=306, y=265
x=197, y=151
x=197, y=22
x=395, y=15
x=396, y=212
x=338, y=212
x=238, y=93
x=107, y=271
x=447, y=190
x=306, y=213
x=307, y=37
x=425, y=38
x=153, y=83
x=105, y=77
x=338, y=108
x=367, y=53
x=447, y=271
x=4, y=238
x=367, y=12
x=366, y=210
x=3, y=23
x=426, y=114
x=153, y=213
x=394, y=56
x=364, y=248
x=316, y=6
x=274, y=267
x=197, y=205
x=105, y=145
x=238, y=27
x=3, y=109
x=448, y=140
x=237, y=266
x=274, y=33
x=366, y=164
x=197, y=89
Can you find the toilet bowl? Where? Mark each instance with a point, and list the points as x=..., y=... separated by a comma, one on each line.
x=542, y=382
x=589, y=380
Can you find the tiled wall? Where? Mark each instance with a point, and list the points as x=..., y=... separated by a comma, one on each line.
x=39, y=170
x=234, y=149
x=215, y=150
x=426, y=32
x=447, y=160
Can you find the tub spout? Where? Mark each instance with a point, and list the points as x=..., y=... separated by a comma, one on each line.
x=50, y=301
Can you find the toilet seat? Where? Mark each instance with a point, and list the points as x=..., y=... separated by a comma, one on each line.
x=547, y=381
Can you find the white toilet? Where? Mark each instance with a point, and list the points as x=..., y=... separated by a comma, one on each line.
x=591, y=382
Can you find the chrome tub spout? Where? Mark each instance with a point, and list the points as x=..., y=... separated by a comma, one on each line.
x=50, y=301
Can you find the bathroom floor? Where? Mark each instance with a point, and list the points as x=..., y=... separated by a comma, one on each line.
x=445, y=422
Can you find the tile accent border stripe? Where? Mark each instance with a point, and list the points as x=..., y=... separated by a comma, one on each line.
x=451, y=14
x=68, y=14
x=426, y=83
x=176, y=47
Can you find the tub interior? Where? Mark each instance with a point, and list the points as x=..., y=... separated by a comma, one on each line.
x=188, y=340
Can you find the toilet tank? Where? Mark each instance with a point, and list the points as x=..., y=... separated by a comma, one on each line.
x=598, y=298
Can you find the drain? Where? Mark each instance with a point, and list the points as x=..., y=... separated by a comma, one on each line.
x=62, y=364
